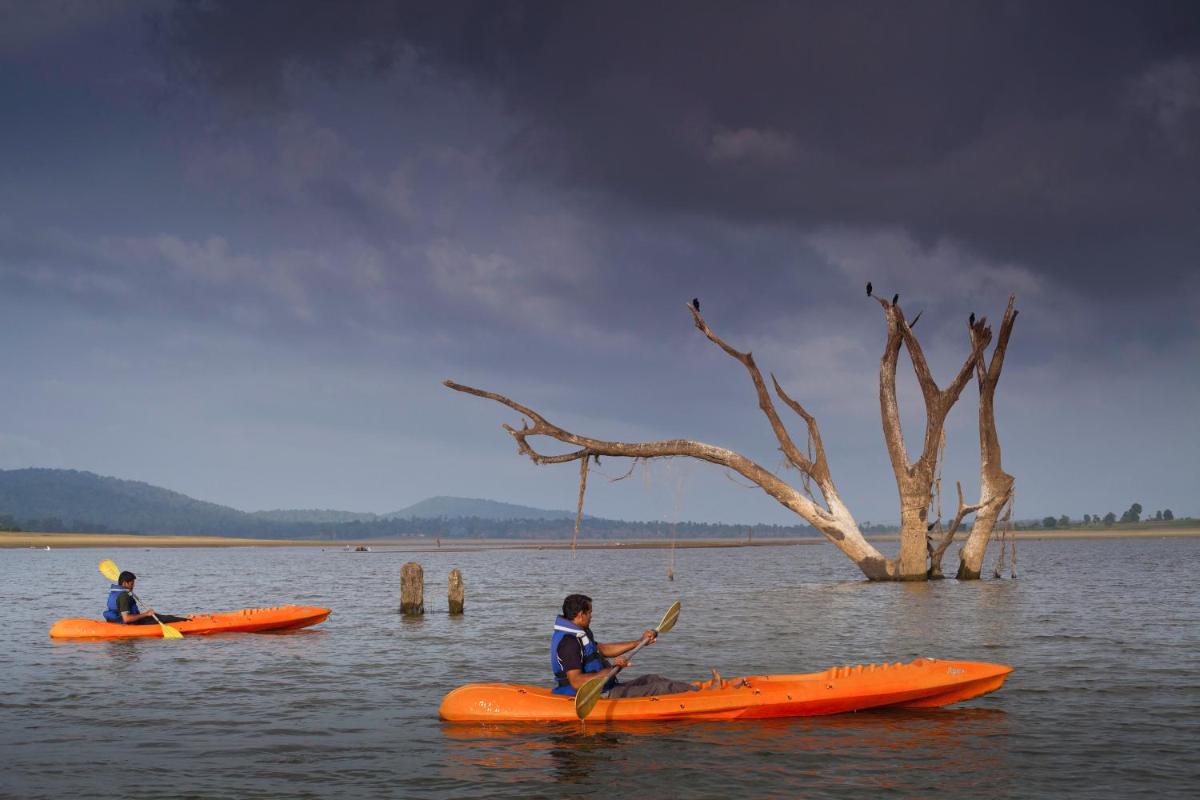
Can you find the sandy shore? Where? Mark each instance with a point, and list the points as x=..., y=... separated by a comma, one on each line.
x=58, y=540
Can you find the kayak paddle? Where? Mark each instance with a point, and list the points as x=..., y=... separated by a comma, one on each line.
x=109, y=569
x=589, y=694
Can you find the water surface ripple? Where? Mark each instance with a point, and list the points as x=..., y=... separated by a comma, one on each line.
x=1105, y=701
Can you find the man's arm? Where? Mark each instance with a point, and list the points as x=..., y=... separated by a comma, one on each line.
x=570, y=655
x=618, y=648
x=123, y=606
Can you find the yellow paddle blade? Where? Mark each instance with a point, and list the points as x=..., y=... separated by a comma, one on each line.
x=109, y=570
x=588, y=695
x=668, y=620
x=169, y=632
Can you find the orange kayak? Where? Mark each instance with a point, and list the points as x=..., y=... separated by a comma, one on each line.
x=248, y=620
x=924, y=683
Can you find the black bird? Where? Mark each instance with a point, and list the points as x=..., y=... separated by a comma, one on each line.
x=868, y=288
x=895, y=299
x=971, y=321
x=696, y=303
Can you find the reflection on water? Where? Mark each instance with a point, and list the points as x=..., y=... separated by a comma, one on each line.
x=903, y=750
x=1104, y=700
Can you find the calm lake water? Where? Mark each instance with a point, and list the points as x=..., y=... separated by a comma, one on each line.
x=1105, y=700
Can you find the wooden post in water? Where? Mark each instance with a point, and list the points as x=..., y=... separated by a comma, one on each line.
x=412, y=589
x=456, y=592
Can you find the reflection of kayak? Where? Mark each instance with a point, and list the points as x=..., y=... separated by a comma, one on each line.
x=924, y=683
x=248, y=620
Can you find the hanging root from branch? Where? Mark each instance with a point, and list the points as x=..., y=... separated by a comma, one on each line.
x=583, y=473
x=736, y=482
x=1006, y=541
x=1007, y=538
x=628, y=472
x=1012, y=498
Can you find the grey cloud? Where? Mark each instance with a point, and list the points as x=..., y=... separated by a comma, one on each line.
x=1008, y=126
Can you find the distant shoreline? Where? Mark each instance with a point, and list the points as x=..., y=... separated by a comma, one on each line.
x=10, y=540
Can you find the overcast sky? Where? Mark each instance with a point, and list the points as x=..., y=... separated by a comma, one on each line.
x=242, y=244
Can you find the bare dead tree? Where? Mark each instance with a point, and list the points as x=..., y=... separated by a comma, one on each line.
x=995, y=485
x=829, y=515
x=914, y=479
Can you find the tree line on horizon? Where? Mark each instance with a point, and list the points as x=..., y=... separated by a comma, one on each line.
x=1132, y=515
x=439, y=527
x=486, y=528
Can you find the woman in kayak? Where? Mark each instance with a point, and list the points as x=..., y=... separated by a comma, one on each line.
x=576, y=657
x=123, y=605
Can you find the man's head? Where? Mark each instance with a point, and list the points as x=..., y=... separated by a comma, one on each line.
x=576, y=605
x=126, y=579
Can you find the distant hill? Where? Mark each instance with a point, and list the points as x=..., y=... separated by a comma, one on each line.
x=74, y=501
x=69, y=499
x=456, y=507
x=317, y=515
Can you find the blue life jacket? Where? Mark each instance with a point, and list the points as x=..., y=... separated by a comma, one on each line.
x=592, y=660
x=114, y=592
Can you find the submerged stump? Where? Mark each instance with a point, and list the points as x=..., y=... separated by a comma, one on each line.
x=412, y=589
x=455, y=595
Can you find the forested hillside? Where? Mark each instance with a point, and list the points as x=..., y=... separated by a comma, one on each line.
x=76, y=501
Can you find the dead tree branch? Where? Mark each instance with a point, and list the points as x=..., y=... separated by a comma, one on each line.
x=834, y=520
x=935, y=558
x=996, y=485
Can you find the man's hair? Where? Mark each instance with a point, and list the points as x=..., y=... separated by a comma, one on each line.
x=126, y=577
x=574, y=604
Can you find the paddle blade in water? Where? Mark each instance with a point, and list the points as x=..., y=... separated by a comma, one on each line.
x=109, y=570
x=588, y=695
x=169, y=632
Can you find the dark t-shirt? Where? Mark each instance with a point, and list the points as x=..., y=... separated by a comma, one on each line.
x=124, y=603
x=570, y=651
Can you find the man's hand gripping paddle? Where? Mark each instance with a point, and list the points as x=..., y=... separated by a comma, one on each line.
x=589, y=694
x=110, y=571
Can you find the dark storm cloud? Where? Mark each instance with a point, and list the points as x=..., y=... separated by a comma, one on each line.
x=1062, y=135
x=257, y=199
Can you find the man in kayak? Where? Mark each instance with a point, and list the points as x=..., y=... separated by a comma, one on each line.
x=576, y=657
x=123, y=605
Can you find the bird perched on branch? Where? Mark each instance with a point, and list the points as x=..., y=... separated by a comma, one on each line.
x=971, y=320
x=696, y=303
x=895, y=299
x=868, y=288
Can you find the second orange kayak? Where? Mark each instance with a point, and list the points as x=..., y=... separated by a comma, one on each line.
x=247, y=620
x=924, y=683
